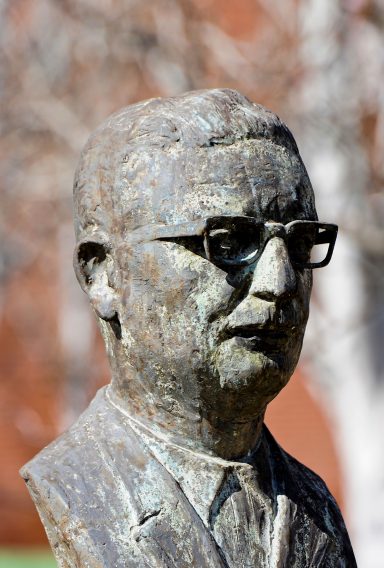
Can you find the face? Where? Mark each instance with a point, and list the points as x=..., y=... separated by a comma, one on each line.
x=206, y=339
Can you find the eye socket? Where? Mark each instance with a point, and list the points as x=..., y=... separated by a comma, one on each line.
x=308, y=244
x=300, y=248
x=233, y=244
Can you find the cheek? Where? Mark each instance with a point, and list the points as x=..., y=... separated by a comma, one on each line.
x=173, y=295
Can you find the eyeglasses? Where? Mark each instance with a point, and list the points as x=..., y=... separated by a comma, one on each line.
x=234, y=242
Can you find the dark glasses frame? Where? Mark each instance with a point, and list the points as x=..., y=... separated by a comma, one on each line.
x=326, y=233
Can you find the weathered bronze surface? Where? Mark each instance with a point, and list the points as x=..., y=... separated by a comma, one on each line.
x=195, y=220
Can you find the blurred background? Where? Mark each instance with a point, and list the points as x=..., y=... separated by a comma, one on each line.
x=67, y=64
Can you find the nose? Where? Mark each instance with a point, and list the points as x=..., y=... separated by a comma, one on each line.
x=274, y=276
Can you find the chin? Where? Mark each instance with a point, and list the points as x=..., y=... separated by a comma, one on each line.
x=257, y=374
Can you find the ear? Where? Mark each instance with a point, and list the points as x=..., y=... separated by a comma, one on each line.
x=93, y=266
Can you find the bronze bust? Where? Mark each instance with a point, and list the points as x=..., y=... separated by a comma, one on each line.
x=196, y=237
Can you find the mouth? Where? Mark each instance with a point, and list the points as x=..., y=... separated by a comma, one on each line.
x=256, y=338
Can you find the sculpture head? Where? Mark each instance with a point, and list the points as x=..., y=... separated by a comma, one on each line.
x=194, y=222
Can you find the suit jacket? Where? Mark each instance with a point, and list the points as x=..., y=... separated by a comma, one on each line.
x=107, y=502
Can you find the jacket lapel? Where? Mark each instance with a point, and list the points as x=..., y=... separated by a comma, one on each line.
x=163, y=528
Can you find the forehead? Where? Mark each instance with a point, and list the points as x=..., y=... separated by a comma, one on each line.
x=255, y=178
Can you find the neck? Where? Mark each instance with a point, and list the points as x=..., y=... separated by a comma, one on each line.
x=229, y=440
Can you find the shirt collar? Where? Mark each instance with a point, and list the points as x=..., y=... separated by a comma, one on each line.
x=199, y=475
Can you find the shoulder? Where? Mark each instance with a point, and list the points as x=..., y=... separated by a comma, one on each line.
x=93, y=450
x=299, y=480
x=77, y=480
x=66, y=453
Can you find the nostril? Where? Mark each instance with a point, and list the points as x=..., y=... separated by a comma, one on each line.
x=267, y=295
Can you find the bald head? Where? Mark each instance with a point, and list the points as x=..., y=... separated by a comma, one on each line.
x=129, y=162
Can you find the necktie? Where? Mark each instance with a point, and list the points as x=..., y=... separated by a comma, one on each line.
x=241, y=519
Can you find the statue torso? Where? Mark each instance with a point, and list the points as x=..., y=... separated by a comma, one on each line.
x=112, y=495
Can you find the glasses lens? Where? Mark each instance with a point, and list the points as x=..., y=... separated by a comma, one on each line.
x=233, y=242
x=319, y=253
x=308, y=243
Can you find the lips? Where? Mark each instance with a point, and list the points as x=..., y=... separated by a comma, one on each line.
x=265, y=338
